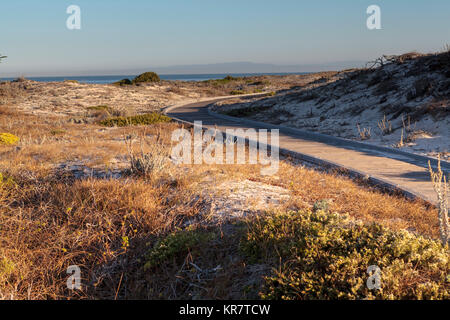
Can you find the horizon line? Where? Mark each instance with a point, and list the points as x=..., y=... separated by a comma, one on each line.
x=167, y=74
x=199, y=69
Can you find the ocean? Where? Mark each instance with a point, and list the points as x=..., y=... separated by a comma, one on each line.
x=173, y=77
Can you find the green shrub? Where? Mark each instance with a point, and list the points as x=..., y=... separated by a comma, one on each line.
x=99, y=108
x=58, y=132
x=123, y=82
x=143, y=119
x=217, y=82
x=6, y=268
x=260, y=83
x=7, y=181
x=237, y=92
x=230, y=78
x=321, y=205
x=245, y=112
x=147, y=77
x=8, y=139
x=176, y=246
x=326, y=256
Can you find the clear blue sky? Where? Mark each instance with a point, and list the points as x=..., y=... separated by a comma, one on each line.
x=123, y=35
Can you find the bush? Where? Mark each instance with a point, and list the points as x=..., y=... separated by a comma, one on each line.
x=147, y=77
x=237, y=92
x=8, y=139
x=148, y=164
x=123, y=82
x=6, y=268
x=326, y=256
x=218, y=82
x=58, y=132
x=7, y=181
x=176, y=246
x=99, y=108
x=245, y=112
x=143, y=119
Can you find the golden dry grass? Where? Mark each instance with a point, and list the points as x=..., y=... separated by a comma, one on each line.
x=50, y=220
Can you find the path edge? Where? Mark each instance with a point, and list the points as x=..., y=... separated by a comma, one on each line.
x=353, y=173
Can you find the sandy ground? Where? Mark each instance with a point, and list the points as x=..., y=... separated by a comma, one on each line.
x=401, y=105
x=71, y=98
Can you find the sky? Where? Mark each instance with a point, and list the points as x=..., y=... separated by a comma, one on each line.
x=121, y=35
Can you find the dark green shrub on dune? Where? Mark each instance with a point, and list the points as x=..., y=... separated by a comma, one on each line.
x=147, y=77
x=123, y=82
x=142, y=119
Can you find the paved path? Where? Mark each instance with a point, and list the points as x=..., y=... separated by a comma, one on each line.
x=393, y=169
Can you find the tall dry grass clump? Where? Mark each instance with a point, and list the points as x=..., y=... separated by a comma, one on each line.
x=150, y=163
x=441, y=186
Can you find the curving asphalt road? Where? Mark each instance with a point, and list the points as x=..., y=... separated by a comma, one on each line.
x=386, y=167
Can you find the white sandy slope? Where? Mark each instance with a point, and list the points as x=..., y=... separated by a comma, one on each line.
x=400, y=91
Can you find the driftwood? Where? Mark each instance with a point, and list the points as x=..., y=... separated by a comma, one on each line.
x=386, y=59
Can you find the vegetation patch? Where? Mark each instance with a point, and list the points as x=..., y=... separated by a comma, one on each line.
x=245, y=112
x=146, y=77
x=260, y=83
x=58, y=132
x=8, y=139
x=223, y=81
x=139, y=120
x=99, y=108
x=176, y=246
x=123, y=82
x=6, y=268
x=327, y=256
x=237, y=92
x=148, y=164
x=6, y=182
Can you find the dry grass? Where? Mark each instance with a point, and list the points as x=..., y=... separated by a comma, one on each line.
x=385, y=126
x=148, y=164
x=52, y=224
x=441, y=186
x=364, y=133
x=50, y=219
x=357, y=199
x=75, y=99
